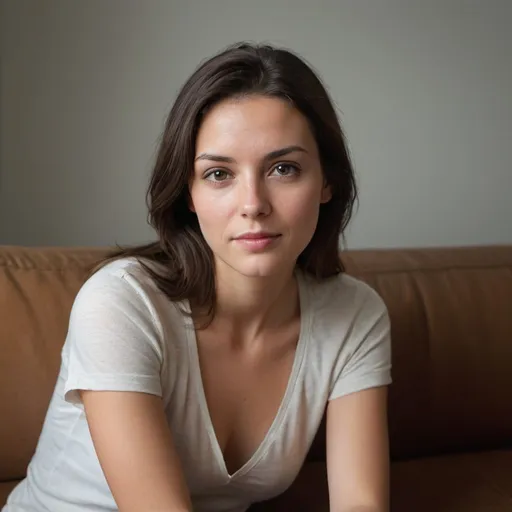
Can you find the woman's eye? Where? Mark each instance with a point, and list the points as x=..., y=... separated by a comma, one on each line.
x=285, y=170
x=217, y=175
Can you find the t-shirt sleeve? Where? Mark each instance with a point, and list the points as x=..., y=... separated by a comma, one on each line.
x=364, y=360
x=113, y=341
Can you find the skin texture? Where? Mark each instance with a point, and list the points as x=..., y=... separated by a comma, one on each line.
x=280, y=195
x=256, y=169
x=136, y=451
x=358, y=452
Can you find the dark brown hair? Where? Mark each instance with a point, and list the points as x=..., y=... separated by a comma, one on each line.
x=186, y=267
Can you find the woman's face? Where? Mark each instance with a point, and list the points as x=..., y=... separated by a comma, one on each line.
x=257, y=184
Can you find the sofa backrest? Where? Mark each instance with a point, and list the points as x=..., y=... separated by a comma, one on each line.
x=451, y=321
x=451, y=315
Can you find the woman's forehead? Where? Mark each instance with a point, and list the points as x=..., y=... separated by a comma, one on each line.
x=258, y=124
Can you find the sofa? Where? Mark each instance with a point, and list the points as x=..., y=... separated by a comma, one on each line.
x=450, y=404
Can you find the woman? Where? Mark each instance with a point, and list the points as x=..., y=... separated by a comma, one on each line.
x=197, y=369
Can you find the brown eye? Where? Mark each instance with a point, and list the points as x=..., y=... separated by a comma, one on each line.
x=217, y=175
x=285, y=170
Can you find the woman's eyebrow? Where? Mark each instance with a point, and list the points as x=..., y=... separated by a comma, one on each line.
x=269, y=156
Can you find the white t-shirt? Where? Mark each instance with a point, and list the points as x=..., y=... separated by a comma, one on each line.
x=125, y=335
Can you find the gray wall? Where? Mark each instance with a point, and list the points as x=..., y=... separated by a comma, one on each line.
x=424, y=90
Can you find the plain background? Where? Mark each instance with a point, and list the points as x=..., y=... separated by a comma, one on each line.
x=423, y=89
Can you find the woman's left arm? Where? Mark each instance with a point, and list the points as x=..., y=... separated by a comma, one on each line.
x=358, y=452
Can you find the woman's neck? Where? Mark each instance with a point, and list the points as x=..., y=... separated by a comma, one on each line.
x=249, y=306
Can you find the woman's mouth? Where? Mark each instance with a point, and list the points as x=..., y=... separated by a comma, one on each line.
x=255, y=242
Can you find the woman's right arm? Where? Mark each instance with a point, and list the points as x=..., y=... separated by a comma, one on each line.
x=134, y=446
x=117, y=352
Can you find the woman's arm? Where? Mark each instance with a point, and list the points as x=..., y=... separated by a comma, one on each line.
x=358, y=452
x=136, y=451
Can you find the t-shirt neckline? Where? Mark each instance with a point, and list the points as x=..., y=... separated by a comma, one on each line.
x=304, y=335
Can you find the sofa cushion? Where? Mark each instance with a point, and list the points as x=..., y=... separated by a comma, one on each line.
x=457, y=483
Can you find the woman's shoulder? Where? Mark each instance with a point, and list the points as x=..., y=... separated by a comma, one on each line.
x=350, y=321
x=119, y=283
x=343, y=292
x=118, y=269
x=128, y=269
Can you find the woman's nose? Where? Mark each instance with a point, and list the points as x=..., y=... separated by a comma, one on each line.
x=254, y=200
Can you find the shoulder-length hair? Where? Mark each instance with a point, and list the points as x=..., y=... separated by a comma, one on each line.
x=185, y=269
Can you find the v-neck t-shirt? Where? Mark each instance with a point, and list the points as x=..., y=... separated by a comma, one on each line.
x=125, y=335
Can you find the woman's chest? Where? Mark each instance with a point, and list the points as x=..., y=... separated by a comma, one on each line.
x=241, y=423
x=257, y=454
x=244, y=394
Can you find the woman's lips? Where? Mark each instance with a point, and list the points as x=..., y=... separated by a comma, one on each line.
x=256, y=242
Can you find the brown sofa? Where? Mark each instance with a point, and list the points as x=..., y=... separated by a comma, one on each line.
x=450, y=403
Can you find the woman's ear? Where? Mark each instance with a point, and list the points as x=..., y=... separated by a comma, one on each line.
x=326, y=193
x=190, y=202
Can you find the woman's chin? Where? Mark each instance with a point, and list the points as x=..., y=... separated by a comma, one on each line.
x=261, y=271
x=260, y=267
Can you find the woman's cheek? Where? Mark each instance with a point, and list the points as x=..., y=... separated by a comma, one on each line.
x=304, y=209
x=214, y=222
